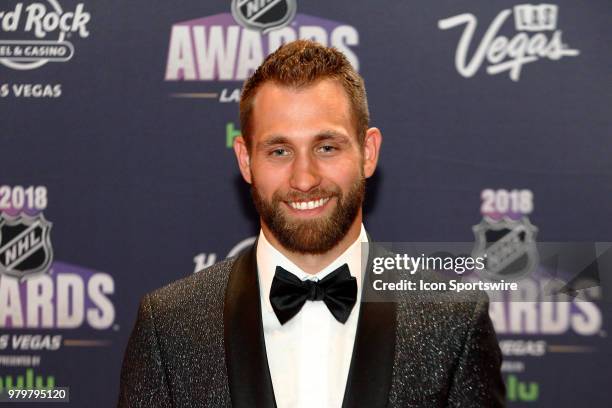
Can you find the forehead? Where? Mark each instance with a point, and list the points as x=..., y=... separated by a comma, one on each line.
x=286, y=110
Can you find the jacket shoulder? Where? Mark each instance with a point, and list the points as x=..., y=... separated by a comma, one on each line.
x=179, y=330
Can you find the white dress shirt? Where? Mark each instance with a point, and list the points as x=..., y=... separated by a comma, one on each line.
x=310, y=355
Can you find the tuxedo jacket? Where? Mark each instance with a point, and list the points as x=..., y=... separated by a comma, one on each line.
x=199, y=342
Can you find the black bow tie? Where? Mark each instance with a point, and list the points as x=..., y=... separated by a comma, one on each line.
x=288, y=294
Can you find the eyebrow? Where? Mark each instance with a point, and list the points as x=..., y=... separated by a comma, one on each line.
x=273, y=141
x=276, y=140
x=332, y=135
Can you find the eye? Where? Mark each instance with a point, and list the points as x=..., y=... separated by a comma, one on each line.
x=279, y=152
x=327, y=149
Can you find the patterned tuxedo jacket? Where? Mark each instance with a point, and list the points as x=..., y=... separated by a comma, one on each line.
x=199, y=342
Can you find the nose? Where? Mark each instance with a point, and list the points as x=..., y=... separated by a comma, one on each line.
x=305, y=173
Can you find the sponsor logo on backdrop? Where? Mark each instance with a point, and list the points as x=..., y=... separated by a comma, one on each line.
x=231, y=133
x=35, y=33
x=536, y=36
x=263, y=15
x=38, y=292
x=25, y=247
x=215, y=54
x=551, y=328
x=521, y=391
x=505, y=237
x=39, y=33
x=27, y=379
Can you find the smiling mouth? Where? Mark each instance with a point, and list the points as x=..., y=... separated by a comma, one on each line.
x=308, y=205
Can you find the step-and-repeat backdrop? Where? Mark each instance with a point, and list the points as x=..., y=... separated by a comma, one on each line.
x=118, y=177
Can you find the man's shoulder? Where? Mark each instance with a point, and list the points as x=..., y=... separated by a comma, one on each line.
x=202, y=287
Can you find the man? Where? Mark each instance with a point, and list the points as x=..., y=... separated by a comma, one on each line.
x=282, y=324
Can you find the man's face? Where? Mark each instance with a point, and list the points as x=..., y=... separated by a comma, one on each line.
x=305, y=165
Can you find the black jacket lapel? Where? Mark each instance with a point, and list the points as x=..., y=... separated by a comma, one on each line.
x=371, y=371
x=247, y=364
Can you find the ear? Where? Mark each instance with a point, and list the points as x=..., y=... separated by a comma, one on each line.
x=371, y=150
x=244, y=160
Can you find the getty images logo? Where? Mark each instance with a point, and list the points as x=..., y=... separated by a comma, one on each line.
x=510, y=54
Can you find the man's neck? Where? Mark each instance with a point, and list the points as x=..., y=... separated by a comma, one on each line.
x=312, y=264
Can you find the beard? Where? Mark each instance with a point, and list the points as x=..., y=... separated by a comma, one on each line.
x=311, y=236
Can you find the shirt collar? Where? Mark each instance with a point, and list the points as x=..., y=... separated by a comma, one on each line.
x=268, y=258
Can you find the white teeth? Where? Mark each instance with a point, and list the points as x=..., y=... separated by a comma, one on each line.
x=308, y=205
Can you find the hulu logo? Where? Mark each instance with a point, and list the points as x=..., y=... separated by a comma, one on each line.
x=27, y=382
x=521, y=391
x=230, y=134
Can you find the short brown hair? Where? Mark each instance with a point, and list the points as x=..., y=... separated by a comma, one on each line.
x=302, y=63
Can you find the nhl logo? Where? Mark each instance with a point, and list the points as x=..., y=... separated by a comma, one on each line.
x=508, y=246
x=264, y=15
x=25, y=246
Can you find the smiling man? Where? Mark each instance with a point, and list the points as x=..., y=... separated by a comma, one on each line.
x=285, y=324
x=307, y=161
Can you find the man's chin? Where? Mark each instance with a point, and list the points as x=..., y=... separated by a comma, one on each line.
x=306, y=237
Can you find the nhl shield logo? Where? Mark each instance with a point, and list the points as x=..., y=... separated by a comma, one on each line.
x=508, y=246
x=25, y=246
x=264, y=15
